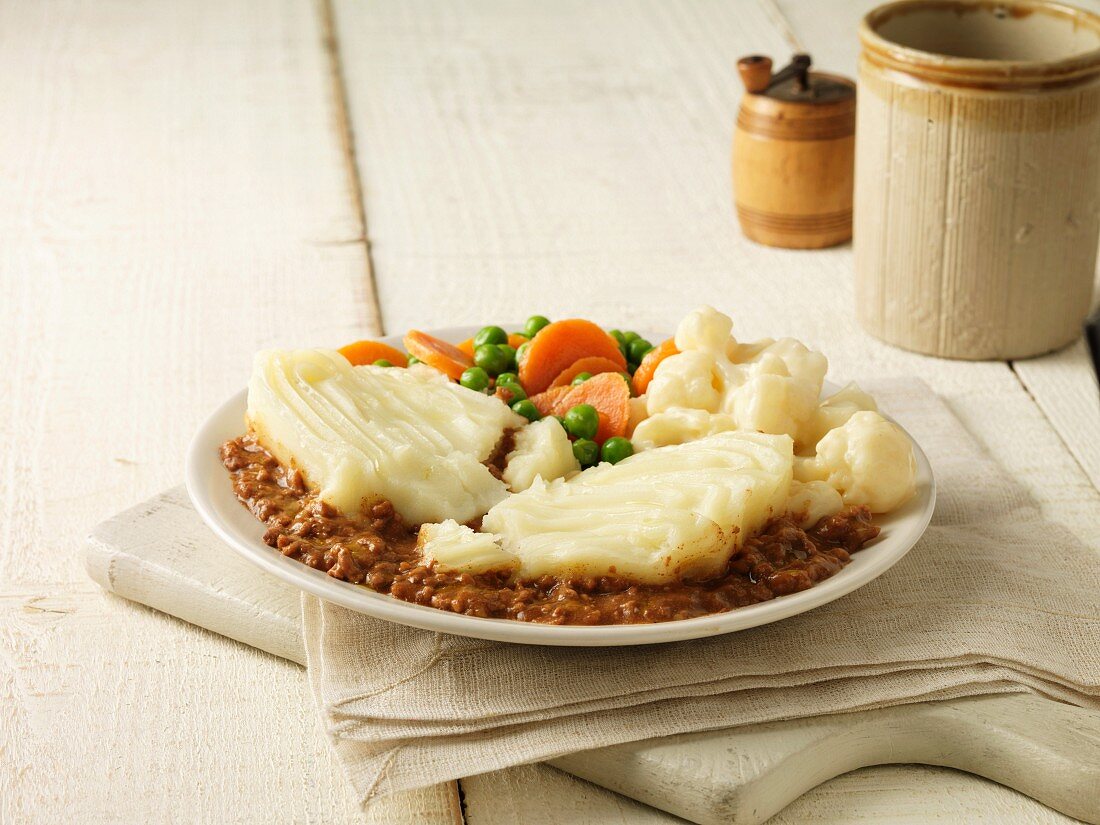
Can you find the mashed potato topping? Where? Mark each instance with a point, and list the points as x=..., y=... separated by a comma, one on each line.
x=455, y=547
x=660, y=515
x=360, y=434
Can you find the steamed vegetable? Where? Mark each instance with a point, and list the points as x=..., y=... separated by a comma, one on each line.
x=367, y=352
x=435, y=352
x=561, y=344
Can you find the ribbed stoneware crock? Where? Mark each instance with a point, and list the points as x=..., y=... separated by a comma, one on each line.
x=977, y=205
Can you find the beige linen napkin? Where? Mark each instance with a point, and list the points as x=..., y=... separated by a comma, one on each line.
x=993, y=599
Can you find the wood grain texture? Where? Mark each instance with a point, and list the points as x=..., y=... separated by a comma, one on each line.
x=903, y=795
x=174, y=196
x=163, y=161
x=1065, y=388
x=572, y=158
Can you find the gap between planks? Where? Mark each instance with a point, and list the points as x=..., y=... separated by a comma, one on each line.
x=331, y=46
x=339, y=89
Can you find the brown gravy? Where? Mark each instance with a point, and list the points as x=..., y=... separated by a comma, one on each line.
x=378, y=550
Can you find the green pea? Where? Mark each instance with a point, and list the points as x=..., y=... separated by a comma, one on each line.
x=620, y=339
x=507, y=378
x=582, y=421
x=561, y=420
x=616, y=449
x=475, y=378
x=526, y=409
x=581, y=378
x=586, y=451
x=491, y=359
x=414, y=360
x=636, y=350
x=518, y=392
x=382, y=362
x=629, y=336
x=534, y=324
x=509, y=353
x=490, y=335
x=521, y=352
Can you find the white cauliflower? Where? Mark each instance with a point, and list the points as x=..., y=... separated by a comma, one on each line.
x=541, y=449
x=770, y=386
x=678, y=426
x=868, y=460
x=834, y=412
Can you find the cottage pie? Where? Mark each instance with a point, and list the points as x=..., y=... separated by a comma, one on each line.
x=566, y=474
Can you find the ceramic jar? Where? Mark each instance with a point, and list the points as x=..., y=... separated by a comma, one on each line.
x=977, y=204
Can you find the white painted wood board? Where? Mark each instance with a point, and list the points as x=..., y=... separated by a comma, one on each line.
x=171, y=187
x=165, y=162
x=162, y=555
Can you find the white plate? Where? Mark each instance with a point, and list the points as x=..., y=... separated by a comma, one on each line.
x=212, y=493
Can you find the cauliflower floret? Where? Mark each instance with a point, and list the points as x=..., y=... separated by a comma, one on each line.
x=768, y=386
x=678, y=426
x=638, y=413
x=770, y=399
x=739, y=353
x=809, y=502
x=868, y=461
x=454, y=547
x=541, y=449
x=706, y=329
x=834, y=411
x=688, y=379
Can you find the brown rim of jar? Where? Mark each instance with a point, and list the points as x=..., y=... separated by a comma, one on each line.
x=980, y=73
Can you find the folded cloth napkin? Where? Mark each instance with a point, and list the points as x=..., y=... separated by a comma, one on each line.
x=992, y=599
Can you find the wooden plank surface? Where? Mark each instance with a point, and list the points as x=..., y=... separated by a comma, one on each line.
x=572, y=158
x=174, y=196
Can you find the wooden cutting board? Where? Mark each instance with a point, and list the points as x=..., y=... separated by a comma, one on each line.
x=162, y=555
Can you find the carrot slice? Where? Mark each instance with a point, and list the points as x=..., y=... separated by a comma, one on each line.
x=545, y=401
x=609, y=393
x=644, y=374
x=594, y=364
x=467, y=346
x=517, y=339
x=447, y=358
x=367, y=352
x=558, y=345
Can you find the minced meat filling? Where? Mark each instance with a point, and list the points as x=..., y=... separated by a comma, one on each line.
x=378, y=550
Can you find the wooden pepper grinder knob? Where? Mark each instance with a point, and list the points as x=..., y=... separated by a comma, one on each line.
x=794, y=154
x=756, y=72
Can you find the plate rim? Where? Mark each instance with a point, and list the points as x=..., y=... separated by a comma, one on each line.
x=202, y=454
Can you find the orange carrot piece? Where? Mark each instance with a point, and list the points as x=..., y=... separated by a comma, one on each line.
x=517, y=339
x=467, y=346
x=558, y=345
x=594, y=364
x=447, y=358
x=644, y=374
x=609, y=393
x=545, y=401
x=367, y=352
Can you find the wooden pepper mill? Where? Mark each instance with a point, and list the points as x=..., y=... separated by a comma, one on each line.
x=793, y=154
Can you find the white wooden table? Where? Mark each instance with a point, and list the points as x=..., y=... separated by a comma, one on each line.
x=185, y=183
